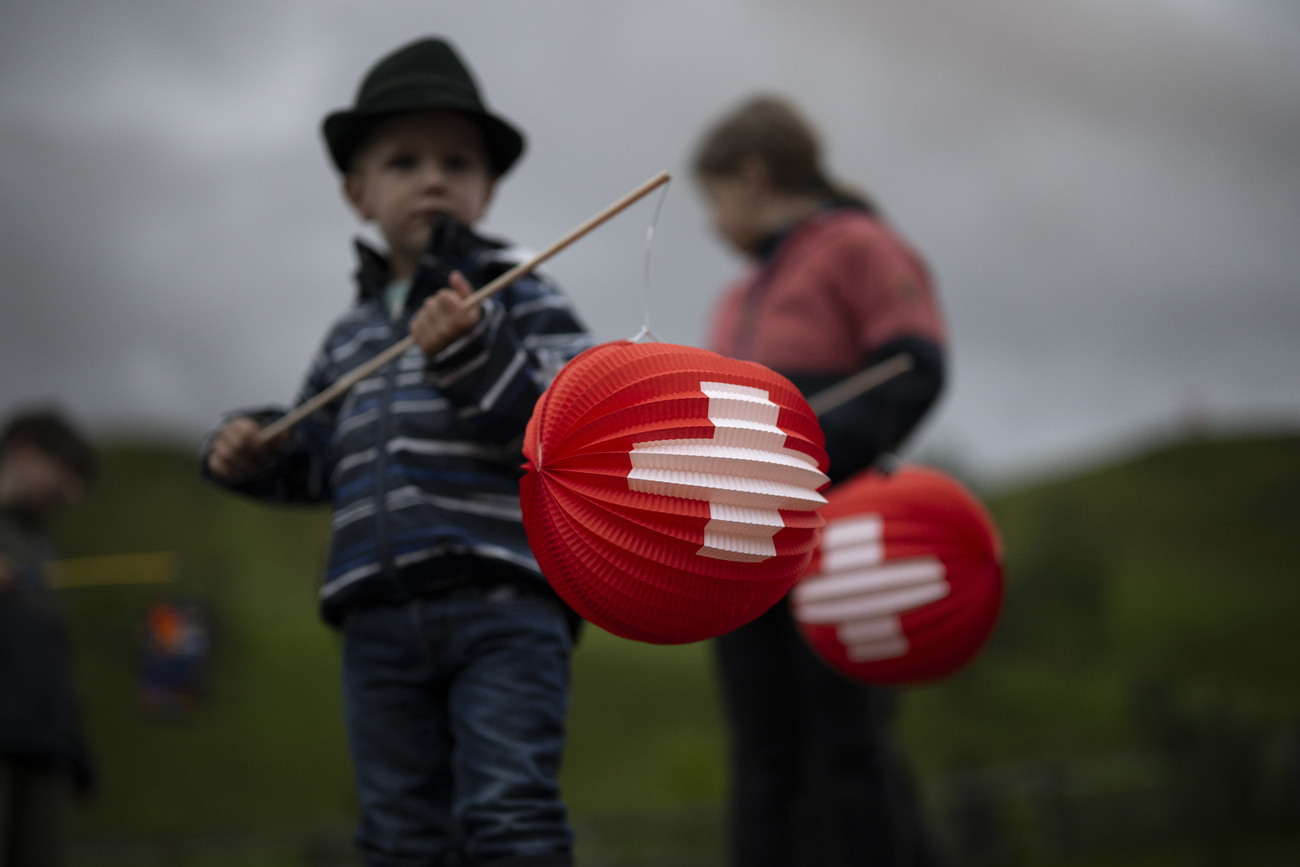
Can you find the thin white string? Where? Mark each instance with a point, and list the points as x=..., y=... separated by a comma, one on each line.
x=645, y=331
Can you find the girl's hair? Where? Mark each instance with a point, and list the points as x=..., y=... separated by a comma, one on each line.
x=776, y=133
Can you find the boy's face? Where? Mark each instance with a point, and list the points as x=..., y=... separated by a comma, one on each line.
x=413, y=167
x=36, y=480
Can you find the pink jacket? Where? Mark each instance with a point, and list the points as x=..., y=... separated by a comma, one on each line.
x=836, y=288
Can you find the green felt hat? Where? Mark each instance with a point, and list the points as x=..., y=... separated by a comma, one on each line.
x=425, y=74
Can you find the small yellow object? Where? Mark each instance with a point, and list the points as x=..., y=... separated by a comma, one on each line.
x=112, y=569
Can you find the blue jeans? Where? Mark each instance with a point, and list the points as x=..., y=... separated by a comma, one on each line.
x=455, y=711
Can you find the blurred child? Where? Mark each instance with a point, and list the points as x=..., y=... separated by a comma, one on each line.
x=831, y=289
x=45, y=466
x=175, y=656
x=456, y=653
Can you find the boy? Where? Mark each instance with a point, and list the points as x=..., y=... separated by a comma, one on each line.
x=456, y=652
x=44, y=467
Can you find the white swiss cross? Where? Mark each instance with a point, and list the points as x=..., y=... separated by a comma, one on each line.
x=744, y=471
x=861, y=594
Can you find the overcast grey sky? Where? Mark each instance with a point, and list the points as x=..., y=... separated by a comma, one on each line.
x=1108, y=191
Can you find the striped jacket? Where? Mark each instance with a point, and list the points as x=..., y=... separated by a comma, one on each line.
x=422, y=459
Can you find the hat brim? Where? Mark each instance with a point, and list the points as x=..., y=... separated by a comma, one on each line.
x=345, y=130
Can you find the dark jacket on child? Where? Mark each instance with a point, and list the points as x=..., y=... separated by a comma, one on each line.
x=421, y=460
x=39, y=716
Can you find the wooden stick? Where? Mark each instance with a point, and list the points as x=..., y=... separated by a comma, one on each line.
x=860, y=383
x=359, y=373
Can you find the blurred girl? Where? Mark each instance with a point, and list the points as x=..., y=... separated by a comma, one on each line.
x=830, y=289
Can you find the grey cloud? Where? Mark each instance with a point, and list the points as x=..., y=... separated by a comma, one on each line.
x=1109, y=191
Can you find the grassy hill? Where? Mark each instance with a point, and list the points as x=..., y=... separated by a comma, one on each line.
x=1148, y=601
x=1171, y=571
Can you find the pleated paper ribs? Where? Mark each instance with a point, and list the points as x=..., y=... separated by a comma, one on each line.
x=671, y=493
x=907, y=584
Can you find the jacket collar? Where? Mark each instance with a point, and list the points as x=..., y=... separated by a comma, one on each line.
x=767, y=247
x=452, y=247
x=373, y=270
x=29, y=521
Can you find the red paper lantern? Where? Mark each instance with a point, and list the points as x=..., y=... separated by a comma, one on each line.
x=671, y=493
x=907, y=583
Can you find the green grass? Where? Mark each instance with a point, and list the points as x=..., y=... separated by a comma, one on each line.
x=268, y=749
x=645, y=731
x=1173, y=568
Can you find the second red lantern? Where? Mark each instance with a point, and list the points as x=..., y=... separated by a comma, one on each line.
x=671, y=493
x=907, y=583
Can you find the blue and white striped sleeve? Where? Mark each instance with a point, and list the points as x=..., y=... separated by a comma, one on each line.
x=300, y=469
x=495, y=372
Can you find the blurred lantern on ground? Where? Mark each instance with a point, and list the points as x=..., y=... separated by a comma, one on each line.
x=907, y=583
x=671, y=494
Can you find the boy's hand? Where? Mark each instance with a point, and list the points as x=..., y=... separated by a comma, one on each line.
x=238, y=450
x=441, y=320
x=8, y=573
